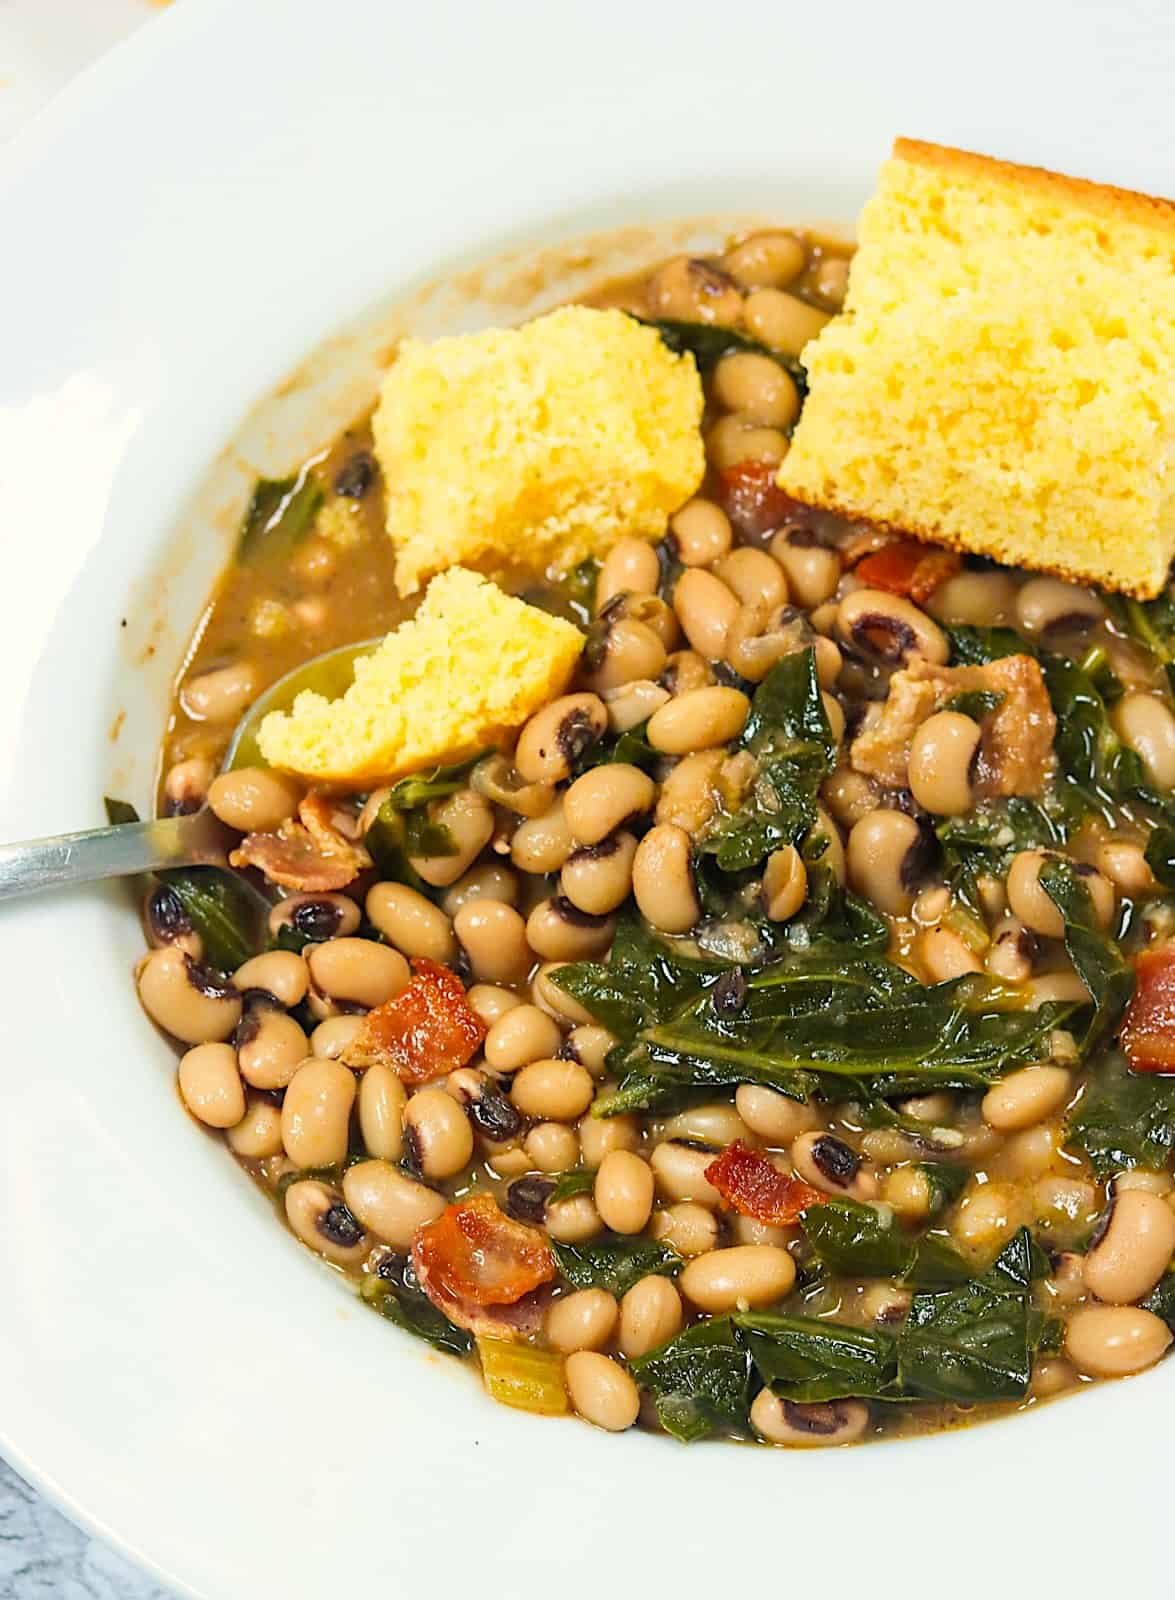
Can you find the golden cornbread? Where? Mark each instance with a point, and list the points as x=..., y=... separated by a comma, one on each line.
x=1003, y=378
x=538, y=446
x=469, y=667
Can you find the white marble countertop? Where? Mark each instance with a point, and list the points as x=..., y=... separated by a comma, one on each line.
x=43, y=43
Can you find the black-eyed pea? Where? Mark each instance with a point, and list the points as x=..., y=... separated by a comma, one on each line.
x=221, y=695
x=785, y=884
x=1011, y=952
x=1065, y=988
x=686, y=1227
x=491, y=880
x=945, y=955
x=574, y=1220
x=382, y=1099
x=1050, y=605
x=650, y=1314
x=1052, y=1375
x=494, y=937
x=690, y=793
x=748, y=1230
x=702, y=532
x=316, y=1113
x=663, y=878
x=410, y=921
x=556, y=737
x=1027, y=1154
x=884, y=857
x=1030, y=901
x=333, y=1035
x=554, y=1091
x=758, y=387
x=753, y=576
x=907, y=1191
x=604, y=799
x=765, y=260
x=686, y=670
x=357, y=971
x=210, y=1086
x=258, y=1135
x=321, y=1218
x=557, y=930
x=1133, y=1249
x=738, y=437
x=835, y=715
x=987, y=1217
x=630, y=649
x=812, y=570
x=974, y=598
x=782, y=321
x=1115, y=1341
x=701, y=720
x=942, y=755
x=601, y=1391
x=715, y=1122
x=773, y=1116
x=281, y=973
x=167, y=923
x=469, y=819
x=1025, y=1098
x=554, y=1147
x=316, y=917
x=271, y=1047
x=679, y=1168
x=1145, y=1178
x=849, y=795
x=521, y=1035
x=633, y=703
x=597, y=878
x=691, y=289
x=585, y=1320
x=186, y=785
x=821, y=1423
x=747, y=1275
x=389, y=1203
x=888, y=629
x=1145, y=725
x=1124, y=863
x=834, y=857
x=542, y=844
x=624, y=1191
x=438, y=1131
x=192, y=1003
x=254, y=799
x=600, y=1136
x=630, y=567
x=828, y=1163
x=706, y=609
x=511, y=1161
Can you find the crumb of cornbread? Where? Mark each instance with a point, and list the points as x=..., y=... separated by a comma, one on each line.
x=467, y=669
x=539, y=446
x=1003, y=377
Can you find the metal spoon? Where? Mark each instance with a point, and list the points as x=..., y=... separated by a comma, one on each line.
x=198, y=839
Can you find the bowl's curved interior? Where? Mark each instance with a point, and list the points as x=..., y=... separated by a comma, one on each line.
x=181, y=1375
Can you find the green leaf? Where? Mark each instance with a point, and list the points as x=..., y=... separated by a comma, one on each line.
x=701, y=1380
x=809, y=1360
x=280, y=512
x=615, y=1262
x=1161, y=1299
x=1123, y=1119
x=1095, y=955
x=983, y=841
x=403, y=829
x=401, y=1300
x=974, y=703
x=579, y=1180
x=708, y=343
x=1160, y=854
x=642, y=981
x=1151, y=623
x=119, y=812
x=947, y=1180
x=975, y=647
x=630, y=747
x=861, y=1241
x=787, y=718
x=230, y=917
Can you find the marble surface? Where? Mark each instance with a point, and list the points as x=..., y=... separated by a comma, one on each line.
x=42, y=1555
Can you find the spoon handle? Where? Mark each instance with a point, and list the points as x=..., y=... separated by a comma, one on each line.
x=116, y=852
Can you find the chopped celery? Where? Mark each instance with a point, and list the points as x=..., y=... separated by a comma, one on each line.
x=519, y=1375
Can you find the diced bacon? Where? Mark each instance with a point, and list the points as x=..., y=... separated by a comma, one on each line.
x=753, y=1186
x=1148, y=1029
x=425, y=1031
x=312, y=854
x=483, y=1270
x=752, y=499
x=907, y=568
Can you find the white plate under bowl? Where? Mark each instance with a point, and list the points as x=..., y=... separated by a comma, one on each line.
x=181, y=229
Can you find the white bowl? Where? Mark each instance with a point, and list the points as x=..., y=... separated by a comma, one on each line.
x=182, y=228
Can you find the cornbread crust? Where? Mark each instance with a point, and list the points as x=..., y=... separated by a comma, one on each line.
x=1084, y=315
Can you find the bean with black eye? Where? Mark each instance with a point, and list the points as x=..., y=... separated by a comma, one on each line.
x=589, y=1045
x=827, y=1422
x=521, y=1035
x=381, y=1102
x=633, y=703
x=942, y=754
x=542, y=844
x=557, y=737
x=630, y=567
x=885, y=853
x=498, y=780
x=322, y=1219
x=1011, y=951
x=253, y=799
x=706, y=609
x=258, y=1135
x=812, y=570
x=597, y=878
x=389, y=1202
x=763, y=634
x=828, y=1163
x=605, y=798
x=1049, y=605
x=316, y=1113
x=663, y=879
x=492, y=1115
x=316, y=917
x=774, y=1116
x=271, y=1046
x=557, y=930
x=679, y=1167
x=626, y=650
x=357, y=971
x=785, y=883
x=526, y=1199
x=494, y=937
x=470, y=822
x=1033, y=905
x=1145, y=725
x=438, y=1132
x=649, y=609
x=333, y=1035
x=192, y=1003
x=713, y=1122
x=690, y=289
x=1133, y=1249
x=210, y=1085
x=700, y=720
x=686, y=670
x=702, y=532
x=168, y=923
x=281, y=973
x=888, y=629
x=186, y=785
x=945, y=955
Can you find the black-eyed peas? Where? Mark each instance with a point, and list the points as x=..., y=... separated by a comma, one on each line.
x=1049, y=605
x=498, y=780
x=271, y=1046
x=782, y=321
x=689, y=795
x=316, y=1113
x=597, y=878
x=630, y=567
x=630, y=650
x=907, y=1190
x=1034, y=907
x=663, y=879
x=491, y=1001
x=192, y=1003
x=884, y=857
x=389, y=1203
x=589, y=1044
x=491, y=880
x=556, y=737
x=602, y=1391
x=1133, y=1249
x=849, y=795
x=773, y=1116
x=211, y=1087
x=633, y=703
x=551, y=1147
x=785, y=884
x=410, y=921
x=753, y=576
x=542, y=844
x=1115, y=1341
x=553, y=1091
x=381, y=1102
x=600, y=1136
x=321, y=1218
x=333, y=1035
x=702, y=532
x=714, y=1122
x=1010, y=954
x=888, y=629
x=557, y=930
x=1124, y=863
x=357, y=971
x=831, y=1164
x=811, y=569
x=987, y=1217
x=605, y=798
x=494, y=937
x=700, y=720
x=706, y=609
x=974, y=599
x=759, y=636
x=438, y=1133
x=1026, y=1097
x=689, y=289
x=942, y=753
x=315, y=916
x=649, y=609
x=679, y=1167
x=650, y=1314
x=1145, y=725
x=758, y=387
x=280, y=973
x=470, y=822
x=574, y=1220
x=765, y=260
x=585, y=1320
x=624, y=1191
x=686, y=670
x=253, y=799
x=223, y=695
x=750, y=1275
x=556, y=1002
x=258, y=1135
x=167, y=923
x=828, y=1422
x=944, y=954
x=687, y=1227
x=187, y=783
x=737, y=437
x=521, y=1035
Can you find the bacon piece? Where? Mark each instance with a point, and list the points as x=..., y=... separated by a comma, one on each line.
x=752, y=499
x=483, y=1270
x=312, y=854
x=426, y=1030
x=907, y=568
x=1148, y=1028
x=751, y=1185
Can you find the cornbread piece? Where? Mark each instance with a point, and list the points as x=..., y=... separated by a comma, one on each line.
x=1003, y=378
x=469, y=667
x=540, y=445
